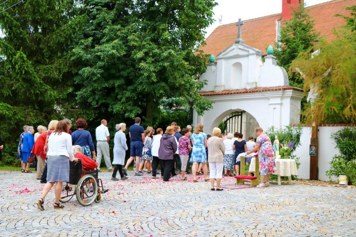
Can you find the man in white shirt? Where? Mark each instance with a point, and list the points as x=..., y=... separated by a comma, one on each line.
x=102, y=138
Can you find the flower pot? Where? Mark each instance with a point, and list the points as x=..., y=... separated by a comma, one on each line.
x=343, y=180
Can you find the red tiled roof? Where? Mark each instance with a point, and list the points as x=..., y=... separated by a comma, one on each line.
x=246, y=91
x=261, y=32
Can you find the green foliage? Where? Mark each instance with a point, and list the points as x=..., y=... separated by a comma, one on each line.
x=344, y=164
x=222, y=127
x=350, y=20
x=340, y=166
x=100, y=58
x=289, y=137
x=332, y=75
x=289, y=140
x=297, y=36
x=35, y=77
x=134, y=53
x=346, y=142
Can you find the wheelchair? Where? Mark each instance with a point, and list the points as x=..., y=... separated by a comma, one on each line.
x=84, y=184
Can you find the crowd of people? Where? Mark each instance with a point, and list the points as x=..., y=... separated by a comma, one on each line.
x=154, y=151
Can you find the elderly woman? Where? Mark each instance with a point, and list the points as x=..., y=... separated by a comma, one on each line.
x=39, y=150
x=199, y=140
x=229, y=156
x=265, y=155
x=44, y=137
x=119, y=150
x=167, y=149
x=216, y=150
x=27, y=145
x=58, y=155
x=40, y=129
x=83, y=138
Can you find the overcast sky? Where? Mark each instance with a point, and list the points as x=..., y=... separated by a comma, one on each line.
x=231, y=10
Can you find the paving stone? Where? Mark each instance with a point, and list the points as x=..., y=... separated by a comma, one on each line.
x=140, y=206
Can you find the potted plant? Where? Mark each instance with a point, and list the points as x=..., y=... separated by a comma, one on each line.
x=345, y=163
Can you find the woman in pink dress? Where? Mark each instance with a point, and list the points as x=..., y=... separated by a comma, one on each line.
x=265, y=155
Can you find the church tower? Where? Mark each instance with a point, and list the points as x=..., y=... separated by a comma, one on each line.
x=288, y=6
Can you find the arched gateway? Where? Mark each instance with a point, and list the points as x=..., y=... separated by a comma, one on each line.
x=248, y=91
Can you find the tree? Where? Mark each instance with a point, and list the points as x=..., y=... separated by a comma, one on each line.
x=332, y=76
x=133, y=54
x=35, y=77
x=297, y=36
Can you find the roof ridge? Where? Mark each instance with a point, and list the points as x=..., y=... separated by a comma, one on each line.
x=325, y=3
x=276, y=14
x=252, y=19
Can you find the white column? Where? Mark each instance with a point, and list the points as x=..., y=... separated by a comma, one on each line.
x=275, y=112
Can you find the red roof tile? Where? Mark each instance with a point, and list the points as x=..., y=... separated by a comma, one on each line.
x=261, y=32
x=247, y=91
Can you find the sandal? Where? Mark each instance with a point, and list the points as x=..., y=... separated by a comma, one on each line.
x=28, y=171
x=40, y=204
x=219, y=189
x=22, y=171
x=212, y=189
x=58, y=205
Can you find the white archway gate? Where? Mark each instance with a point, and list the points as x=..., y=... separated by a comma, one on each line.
x=241, y=81
x=277, y=107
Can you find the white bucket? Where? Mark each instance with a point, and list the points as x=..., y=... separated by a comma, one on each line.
x=343, y=179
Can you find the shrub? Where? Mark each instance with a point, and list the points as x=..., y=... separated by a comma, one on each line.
x=346, y=142
x=341, y=166
x=345, y=163
x=289, y=140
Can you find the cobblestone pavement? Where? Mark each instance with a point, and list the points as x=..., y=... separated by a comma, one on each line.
x=144, y=207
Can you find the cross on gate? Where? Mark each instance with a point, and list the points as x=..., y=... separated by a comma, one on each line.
x=239, y=31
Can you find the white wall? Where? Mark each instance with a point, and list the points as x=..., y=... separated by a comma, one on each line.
x=327, y=150
x=302, y=152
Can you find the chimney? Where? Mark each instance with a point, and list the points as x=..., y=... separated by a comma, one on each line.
x=289, y=6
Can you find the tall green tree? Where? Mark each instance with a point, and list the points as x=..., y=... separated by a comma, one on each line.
x=135, y=53
x=36, y=77
x=297, y=36
x=332, y=77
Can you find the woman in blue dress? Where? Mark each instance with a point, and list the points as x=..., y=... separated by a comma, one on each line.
x=199, y=140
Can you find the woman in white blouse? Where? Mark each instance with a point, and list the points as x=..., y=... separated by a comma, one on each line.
x=58, y=156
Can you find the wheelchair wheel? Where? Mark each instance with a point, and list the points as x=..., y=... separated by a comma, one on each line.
x=68, y=191
x=98, y=197
x=86, y=190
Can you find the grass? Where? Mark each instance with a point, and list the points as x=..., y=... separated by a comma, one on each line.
x=9, y=168
x=4, y=167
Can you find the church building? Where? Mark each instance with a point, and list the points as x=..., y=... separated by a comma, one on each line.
x=247, y=87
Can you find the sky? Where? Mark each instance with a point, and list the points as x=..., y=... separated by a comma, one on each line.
x=231, y=10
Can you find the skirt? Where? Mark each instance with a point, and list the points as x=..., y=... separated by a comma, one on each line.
x=25, y=156
x=57, y=169
x=229, y=161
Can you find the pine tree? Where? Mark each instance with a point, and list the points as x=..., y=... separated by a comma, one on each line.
x=297, y=36
x=36, y=76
